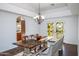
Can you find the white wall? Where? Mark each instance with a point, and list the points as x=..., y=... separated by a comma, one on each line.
x=31, y=26
x=70, y=28
x=8, y=29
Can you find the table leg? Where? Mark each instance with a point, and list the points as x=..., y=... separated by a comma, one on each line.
x=26, y=51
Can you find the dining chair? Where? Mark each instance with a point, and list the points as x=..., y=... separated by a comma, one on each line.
x=47, y=51
x=26, y=37
x=53, y=50
x=33, y=37
x=30, y=37
x=50, y=51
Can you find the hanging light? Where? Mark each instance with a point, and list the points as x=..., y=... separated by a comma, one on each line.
x=39, y=18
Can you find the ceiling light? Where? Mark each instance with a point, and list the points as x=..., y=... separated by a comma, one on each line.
x=39, y=18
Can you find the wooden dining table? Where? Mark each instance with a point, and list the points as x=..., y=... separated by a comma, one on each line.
x=32, y=45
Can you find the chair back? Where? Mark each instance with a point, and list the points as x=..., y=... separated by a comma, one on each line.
x=32, y=37
x=26, y=37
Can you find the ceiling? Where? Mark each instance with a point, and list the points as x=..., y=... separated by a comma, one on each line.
x=43, y=6
x=47, y=10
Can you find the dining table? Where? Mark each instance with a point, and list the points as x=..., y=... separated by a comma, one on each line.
x=32, y=46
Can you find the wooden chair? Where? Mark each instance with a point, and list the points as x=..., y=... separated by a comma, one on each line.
x=47, y=52
x=26, y=37
x=32, y=37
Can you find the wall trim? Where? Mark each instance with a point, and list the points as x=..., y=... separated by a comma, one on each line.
x=14, y=9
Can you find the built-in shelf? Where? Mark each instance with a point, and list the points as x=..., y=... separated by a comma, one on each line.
x=20, y=32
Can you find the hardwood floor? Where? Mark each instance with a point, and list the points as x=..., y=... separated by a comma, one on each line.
x=12, y=52
x=69, y=50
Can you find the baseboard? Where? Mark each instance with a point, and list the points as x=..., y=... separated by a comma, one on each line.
x=70, y=43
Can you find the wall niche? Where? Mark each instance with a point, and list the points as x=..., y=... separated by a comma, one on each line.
x=20, y=25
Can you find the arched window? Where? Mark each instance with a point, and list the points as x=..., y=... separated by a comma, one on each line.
x=59, y=29
x=50, y=29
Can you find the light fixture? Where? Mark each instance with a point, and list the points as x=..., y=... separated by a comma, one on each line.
x=39, y=18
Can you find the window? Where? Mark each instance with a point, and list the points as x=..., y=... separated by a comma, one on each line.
x=59, y=29
x=50, y=29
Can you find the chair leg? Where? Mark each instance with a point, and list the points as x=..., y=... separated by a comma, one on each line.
x=61, y=52
x=26, y=51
